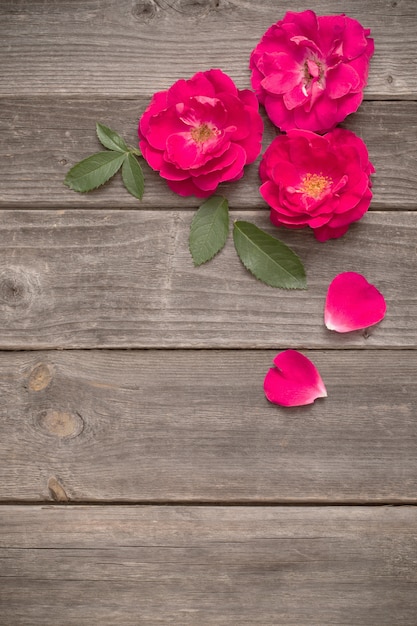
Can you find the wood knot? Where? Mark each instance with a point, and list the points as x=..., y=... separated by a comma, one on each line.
x=18, y=287
x=57, y=491
x=144, y=9
x=40, y=377
x=61, y=423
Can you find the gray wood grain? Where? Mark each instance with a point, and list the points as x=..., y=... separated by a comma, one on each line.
x=190, y=426
x=108, y=566
x=130, y=47
x=42, y=138
x=148, y=426
x=71, y=279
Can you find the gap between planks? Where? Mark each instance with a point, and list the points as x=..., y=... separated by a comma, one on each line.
x=351, y=504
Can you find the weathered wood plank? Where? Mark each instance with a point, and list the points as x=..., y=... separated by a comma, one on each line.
x=152, y=426
x=44, y=137
x=126, y=279
x=73, y=47
x=173, y=565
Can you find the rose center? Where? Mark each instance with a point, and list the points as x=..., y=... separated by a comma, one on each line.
x=202, y=133
x=313, y=71
x=315, y=185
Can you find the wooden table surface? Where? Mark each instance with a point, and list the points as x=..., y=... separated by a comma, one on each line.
x=145, y=479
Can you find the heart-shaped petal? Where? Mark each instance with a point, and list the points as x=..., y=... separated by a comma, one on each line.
x=352, y=303
x=294, y=381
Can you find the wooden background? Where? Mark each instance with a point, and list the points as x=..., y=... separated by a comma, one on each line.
x=144, y=477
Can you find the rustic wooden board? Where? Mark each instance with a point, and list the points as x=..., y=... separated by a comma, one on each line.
x=71, y=47
x=147, y=426
x=90, y=566
x=71, y=279
x=191, y=428
x=44, y=137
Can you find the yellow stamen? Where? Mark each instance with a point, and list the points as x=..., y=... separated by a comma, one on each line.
x=202, y=133
x=314, y=185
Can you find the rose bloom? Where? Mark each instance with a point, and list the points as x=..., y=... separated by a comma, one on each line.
x=201, y=132
x=317, y=181
x=310, y=71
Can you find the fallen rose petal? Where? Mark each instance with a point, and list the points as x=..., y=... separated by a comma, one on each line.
x=294, y=381
x=352, y=303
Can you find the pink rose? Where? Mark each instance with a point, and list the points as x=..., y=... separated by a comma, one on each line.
x=201, y=132
x=317, y=181
x=310, y=71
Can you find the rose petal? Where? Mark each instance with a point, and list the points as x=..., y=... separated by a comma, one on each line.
x=295, y=381
x=229, y=168
x=330, y=31
x=341, y=80
x=221, y=82
x=170, y=172
x=154, y=158
x=187, y=188
x=326, y=232
x=198, y=85
x=355, y=41
x=183, y=151
x=295, y=98
x=251, y=144
x=157, y=104
x=162, y=125
x=352, y=303
x=278, y=112
x=282, y=72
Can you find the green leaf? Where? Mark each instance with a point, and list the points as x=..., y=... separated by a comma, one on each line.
x=209, y=229
x=110, y=139
x=269, y=260
x=132, y=176
x=94, y=171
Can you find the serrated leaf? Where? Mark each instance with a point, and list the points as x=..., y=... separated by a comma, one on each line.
x=209, y=229
x=94, y=171
x=110, y=139
x=267, y=258
x=132, y=176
